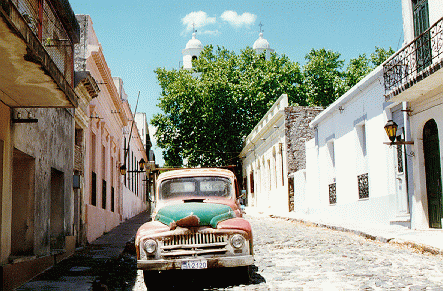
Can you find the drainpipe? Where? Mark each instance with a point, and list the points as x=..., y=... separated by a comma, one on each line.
x=408, y=156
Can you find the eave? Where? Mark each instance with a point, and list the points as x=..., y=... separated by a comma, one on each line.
x=28, y=75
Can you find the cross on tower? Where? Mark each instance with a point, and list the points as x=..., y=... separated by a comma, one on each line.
x=261, y=26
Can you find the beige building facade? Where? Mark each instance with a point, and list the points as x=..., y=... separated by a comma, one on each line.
x=103, y=140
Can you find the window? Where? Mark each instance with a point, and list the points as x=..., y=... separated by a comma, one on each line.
x=282, y=164
x=363, y=186
x=362, y=161
x=104, y=196
x=332, y=184
x=251, y=181
x=94, y=189
x=112, y=199
x=361, y=152
x=332, y=193
x=331, y=155
x=422, y=42
x=195, y=187
x=269, y=174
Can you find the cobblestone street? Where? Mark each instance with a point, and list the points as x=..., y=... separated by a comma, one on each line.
x=293, y=256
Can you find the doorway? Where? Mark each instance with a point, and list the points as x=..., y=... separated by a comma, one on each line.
x=57, y=210
x=421, y=24
x=22, y=228
x=431, y=148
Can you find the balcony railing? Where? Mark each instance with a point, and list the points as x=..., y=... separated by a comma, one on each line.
x=46, y=25
x=414, y=62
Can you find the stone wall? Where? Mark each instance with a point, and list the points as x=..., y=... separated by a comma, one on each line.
x=297, y=132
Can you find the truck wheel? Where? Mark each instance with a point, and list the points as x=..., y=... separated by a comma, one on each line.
x=244, y=274
x=152, y=280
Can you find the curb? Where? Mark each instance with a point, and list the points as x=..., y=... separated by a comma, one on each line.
x=422, y=248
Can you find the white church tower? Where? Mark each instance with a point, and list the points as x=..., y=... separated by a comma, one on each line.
x=191, y=52
x=262, y=45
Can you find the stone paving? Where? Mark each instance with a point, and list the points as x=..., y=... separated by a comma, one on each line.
x=289, y=255
x=294, y=256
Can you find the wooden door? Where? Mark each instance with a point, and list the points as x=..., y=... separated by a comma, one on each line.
x=422, y=44
x=431, y=147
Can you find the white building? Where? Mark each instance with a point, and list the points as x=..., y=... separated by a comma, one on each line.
x=273, y=154
x=194, y=47
x=350, y=174
x=191, y=52
x=262, y=45
x=414, y=75
x=352, y=171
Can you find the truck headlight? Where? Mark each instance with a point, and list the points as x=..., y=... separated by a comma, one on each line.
x=237, y=241
x=150, y=246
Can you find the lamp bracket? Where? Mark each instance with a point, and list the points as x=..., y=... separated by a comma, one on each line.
x=399, y=143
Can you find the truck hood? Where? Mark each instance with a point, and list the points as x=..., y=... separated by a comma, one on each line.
x=194, y=214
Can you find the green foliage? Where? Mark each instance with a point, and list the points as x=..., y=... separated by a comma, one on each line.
x=323, y=77
x=380, y=55
x=207, y=111
x=356, y=70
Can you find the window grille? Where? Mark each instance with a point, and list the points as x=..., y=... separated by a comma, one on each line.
x=363, y=186
x=400, y=158
x=332, y=193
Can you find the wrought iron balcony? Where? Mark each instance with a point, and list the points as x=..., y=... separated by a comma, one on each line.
x=415, y=62
x=37, y=55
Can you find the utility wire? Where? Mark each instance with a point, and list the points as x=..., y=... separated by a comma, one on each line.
x=132, y=126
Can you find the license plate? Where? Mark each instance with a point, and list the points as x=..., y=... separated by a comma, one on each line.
x=195, y=264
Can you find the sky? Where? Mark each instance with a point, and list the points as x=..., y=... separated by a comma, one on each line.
x=138, y=36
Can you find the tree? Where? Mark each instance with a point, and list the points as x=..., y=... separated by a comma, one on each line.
x=205, y=115
x=208, y=110
x=323, y=82
x=356, y=70
x=359, y=67
x=380, y=55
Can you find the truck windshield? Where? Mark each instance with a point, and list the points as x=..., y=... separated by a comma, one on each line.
x=195, y=186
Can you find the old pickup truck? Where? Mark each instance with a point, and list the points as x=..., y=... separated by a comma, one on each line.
x=197, y=223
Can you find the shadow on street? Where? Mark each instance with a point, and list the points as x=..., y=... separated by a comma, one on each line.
x=204, y=279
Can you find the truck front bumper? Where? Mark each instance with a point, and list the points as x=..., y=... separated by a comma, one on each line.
x=215, y=262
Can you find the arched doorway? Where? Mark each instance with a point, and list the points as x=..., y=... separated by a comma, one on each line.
x=431, y=148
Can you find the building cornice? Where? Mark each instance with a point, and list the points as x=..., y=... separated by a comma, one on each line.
x=105, y=72
x=275, y=113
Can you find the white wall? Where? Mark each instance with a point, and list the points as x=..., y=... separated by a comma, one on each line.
x=262, y=156
x=429, y=108
x=340, y=125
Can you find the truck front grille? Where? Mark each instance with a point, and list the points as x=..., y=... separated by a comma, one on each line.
x=195, y=244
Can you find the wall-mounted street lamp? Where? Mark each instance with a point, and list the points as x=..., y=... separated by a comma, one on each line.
x=391, y=131
x=141, y=164
x=123, y=170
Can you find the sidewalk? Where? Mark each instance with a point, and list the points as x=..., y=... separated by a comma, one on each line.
x=80, y=271
x=430, y=240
